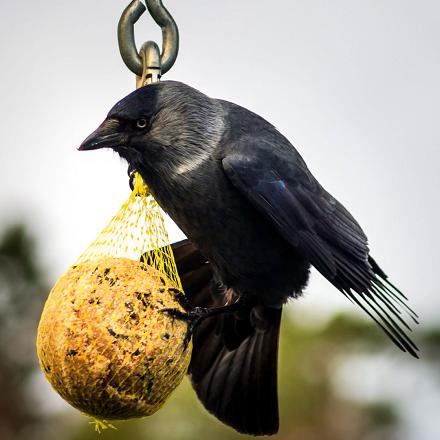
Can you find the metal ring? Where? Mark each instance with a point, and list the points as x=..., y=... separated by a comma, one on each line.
x=170, y=34
x=152, y=71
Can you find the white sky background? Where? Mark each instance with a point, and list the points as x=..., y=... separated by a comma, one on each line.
x=355, y=85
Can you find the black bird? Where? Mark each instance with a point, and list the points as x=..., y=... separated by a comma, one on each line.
x=250, y=207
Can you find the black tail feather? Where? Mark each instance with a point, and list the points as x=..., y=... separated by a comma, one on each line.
x=234, y=361
x=239, y=386
x=367, y=286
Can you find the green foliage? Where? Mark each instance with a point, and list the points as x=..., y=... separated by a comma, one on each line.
x=22, y=290
x=311, y=406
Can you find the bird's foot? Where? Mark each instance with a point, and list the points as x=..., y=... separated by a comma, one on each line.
x=198, y=314
x=193, y=318
x=131, y=175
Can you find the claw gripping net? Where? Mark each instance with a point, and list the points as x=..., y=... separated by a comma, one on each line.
x=104, y=342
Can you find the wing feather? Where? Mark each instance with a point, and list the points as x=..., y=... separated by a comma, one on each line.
x=233, y=366
x=312, y=220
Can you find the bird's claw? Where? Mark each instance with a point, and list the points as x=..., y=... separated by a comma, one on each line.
x=196, y=315
x=193, y=318
x=131, y=174
x=190, y=316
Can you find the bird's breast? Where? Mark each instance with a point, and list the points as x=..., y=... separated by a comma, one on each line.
x=246, y=251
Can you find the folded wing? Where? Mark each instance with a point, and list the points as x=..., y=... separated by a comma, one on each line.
x=313, y=221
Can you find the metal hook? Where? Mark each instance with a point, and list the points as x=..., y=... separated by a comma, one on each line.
x=127, y=45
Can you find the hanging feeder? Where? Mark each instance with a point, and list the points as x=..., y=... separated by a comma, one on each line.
x=103, y=342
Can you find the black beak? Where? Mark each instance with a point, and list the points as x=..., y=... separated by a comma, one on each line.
x=107, y=135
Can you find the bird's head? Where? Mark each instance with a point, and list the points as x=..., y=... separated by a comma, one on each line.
x=165, y=127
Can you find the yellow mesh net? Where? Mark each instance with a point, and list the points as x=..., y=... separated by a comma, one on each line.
x=138, y=230
x=103, y=341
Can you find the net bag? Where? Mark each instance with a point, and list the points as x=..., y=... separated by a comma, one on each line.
x=103, y=341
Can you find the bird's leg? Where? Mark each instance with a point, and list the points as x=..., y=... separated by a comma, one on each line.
x=131, y=172
x=198, y=314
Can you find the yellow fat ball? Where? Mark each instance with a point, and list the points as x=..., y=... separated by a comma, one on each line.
x=103, y=343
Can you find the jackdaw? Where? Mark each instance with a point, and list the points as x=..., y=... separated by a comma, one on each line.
x=256, y=220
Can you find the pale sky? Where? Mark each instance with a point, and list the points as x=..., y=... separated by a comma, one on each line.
x=355, y=85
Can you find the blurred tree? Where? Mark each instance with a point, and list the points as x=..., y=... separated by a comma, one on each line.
x=22, y=292
x=311, y=406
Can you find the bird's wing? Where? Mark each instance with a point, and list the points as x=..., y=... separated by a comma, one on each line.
x=311, y=220
x=233, y=366
x=195, y=273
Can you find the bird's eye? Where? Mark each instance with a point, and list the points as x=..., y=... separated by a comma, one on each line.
x=141, y=123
